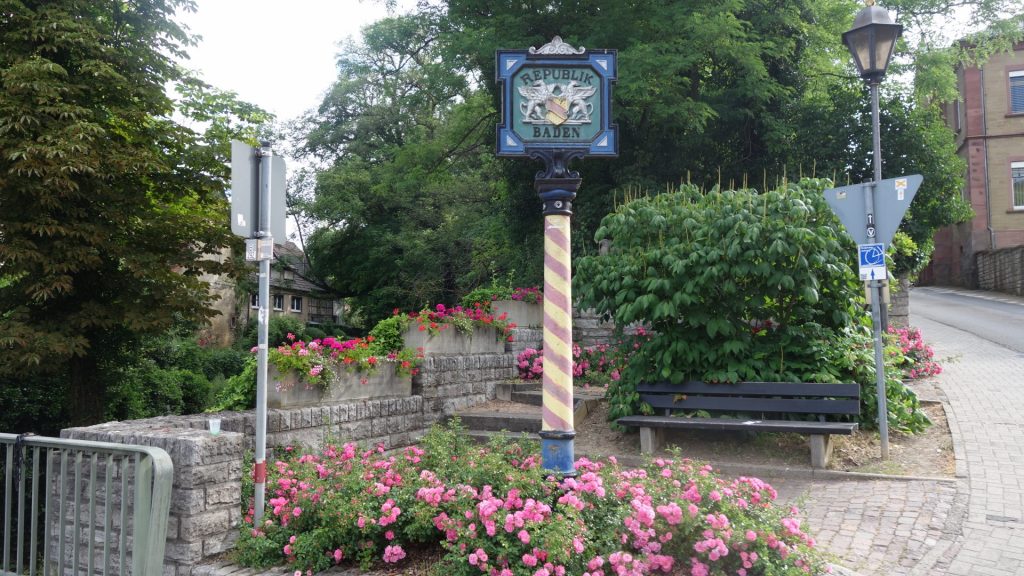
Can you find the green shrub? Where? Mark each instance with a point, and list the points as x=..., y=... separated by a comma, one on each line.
x=195, y=390
x=387, y=334
x=484, y=295
x=224, y=362
x=34, y=403
x=239, y=391
x=906, y=258
x=144, y=390
x=315, y=333
x=277, y=332
x=736, y=286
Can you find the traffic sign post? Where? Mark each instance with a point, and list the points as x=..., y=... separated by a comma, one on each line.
x=258, y=214
x=871, y=213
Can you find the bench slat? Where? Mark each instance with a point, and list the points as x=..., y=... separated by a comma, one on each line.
x=734, y=424
x=681, y=401
x=804, y=389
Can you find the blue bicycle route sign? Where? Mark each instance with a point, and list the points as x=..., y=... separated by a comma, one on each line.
x=871, y=258
x=556, y=98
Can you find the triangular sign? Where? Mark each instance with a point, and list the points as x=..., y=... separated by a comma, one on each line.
x=891, y=197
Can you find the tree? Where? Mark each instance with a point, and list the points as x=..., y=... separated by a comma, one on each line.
x=109, y=210
x=727, y=92
x=409, y=187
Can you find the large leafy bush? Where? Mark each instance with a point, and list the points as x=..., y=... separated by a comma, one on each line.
x=736, y=285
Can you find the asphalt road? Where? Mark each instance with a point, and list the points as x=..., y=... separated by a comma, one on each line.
x=996, y=317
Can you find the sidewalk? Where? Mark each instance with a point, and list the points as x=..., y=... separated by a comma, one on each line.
x=973, y=525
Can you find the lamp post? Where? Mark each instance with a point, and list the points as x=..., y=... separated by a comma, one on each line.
x=871, y=42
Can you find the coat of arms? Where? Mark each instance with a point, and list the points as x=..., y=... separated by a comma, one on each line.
x=556, y=104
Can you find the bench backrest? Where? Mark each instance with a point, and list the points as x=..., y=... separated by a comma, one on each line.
x=757, y=397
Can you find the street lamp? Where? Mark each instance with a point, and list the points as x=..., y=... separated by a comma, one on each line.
x=871, y=42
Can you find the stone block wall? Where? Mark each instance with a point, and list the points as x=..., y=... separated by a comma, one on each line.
x=205, y=501
x=205, y=511
x=448, y=384
x=899, y=303
x=589, y=330
x=523, y=338
x=1001, y=270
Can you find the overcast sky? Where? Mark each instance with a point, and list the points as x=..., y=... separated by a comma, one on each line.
x=278, y=55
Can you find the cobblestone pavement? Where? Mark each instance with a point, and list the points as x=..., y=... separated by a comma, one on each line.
x=973, y=525
x=984, y=384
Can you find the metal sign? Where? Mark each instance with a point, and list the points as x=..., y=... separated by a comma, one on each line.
x=244, y=175
x=871, y=259
x=257, y=249
x=245, y=179
x=556, y=98
x=891, y=199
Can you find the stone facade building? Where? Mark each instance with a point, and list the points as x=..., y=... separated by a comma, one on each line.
x=293, y=291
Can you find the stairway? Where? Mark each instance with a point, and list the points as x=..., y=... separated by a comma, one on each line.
x=517, y=411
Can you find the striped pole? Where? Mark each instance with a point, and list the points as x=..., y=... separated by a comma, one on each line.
x=557, y=432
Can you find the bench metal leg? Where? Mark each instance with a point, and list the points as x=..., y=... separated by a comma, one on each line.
x=651, y=439
x=821, y=450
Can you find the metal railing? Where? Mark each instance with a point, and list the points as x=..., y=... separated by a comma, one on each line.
x=84, y=525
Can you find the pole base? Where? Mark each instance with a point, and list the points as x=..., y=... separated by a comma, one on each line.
x=557, y=451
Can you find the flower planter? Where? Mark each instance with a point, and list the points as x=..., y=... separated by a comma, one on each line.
x=524, y=314
x=483, y=340
x=344, y=386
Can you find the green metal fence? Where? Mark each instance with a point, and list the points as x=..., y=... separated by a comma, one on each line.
x=64, y=507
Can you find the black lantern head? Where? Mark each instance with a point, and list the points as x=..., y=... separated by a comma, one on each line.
x=871, y=41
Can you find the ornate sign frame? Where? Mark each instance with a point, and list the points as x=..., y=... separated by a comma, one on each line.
x=556, y=98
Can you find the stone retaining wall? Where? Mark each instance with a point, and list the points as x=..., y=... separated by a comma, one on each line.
x=448, y=384
x=1001, y=270
x=589, y=330
x=899, y=303
x=206, y=495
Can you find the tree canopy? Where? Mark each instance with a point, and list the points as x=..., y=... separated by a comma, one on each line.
x=109, y=210
x=733, y=92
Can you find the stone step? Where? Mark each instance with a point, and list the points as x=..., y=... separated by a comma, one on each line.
x=504, y=390
x=528, y=421
x=498, y=421
x=485, y=436
x=533, y=397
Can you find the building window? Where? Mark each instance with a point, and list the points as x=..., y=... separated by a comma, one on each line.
x=1017, y=178
x=254, y=300
x=296, y=303
x=1017, y=92
x=278, y=302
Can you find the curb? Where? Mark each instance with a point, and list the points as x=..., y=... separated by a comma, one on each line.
x=742, y=469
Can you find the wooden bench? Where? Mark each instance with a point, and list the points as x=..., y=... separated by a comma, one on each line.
x=756, y=399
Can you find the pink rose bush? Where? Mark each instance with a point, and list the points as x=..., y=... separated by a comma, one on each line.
x=917, y=357
x=531, y=295
x=493, y=513
x=596, y=366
